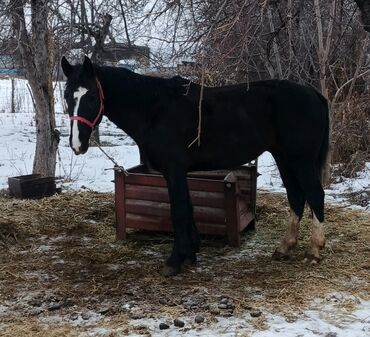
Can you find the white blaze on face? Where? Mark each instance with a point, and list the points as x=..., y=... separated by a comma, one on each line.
x=77, y=95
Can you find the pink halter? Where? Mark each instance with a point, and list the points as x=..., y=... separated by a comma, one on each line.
x=101, y=110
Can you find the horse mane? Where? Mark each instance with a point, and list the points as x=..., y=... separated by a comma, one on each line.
x=175, y=85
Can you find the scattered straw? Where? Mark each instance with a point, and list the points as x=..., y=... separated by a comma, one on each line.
x=65, y=250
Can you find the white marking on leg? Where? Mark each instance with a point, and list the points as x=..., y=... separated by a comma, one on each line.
x=77, y=95
x=317, y=238
x=291, y=236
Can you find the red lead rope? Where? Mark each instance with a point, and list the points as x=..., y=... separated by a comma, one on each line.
x=101, y=110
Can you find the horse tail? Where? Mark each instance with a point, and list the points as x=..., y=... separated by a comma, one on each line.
x=324, y=149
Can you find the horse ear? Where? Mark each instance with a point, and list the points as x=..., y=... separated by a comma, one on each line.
x=88, y=67
x=66, y=67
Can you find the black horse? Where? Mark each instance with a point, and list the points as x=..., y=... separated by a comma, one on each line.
x=239, y=123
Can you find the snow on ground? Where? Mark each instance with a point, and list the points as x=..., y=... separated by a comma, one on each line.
x=324, y=320
x=92, y=171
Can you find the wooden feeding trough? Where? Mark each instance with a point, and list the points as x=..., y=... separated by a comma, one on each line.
x=31, y=186
x=223, y=201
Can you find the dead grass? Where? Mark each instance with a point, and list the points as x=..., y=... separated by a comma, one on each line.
x=63, y=250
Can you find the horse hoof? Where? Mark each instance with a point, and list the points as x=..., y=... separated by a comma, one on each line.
x=279, y=256
x=170, y=271
x=189, y=262
x=311, y=260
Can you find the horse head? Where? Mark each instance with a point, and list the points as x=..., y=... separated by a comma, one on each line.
x=85, y=101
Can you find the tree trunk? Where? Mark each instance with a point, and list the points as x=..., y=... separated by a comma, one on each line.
x=37, y=57
x=12, y=106
x=274, y=45
x=324, y=46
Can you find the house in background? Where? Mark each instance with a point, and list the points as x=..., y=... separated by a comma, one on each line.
x=118, y=53
x=10, y=61
x=131, y=57
x=10, y=66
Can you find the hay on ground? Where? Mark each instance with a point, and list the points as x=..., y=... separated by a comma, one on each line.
x=63, y=249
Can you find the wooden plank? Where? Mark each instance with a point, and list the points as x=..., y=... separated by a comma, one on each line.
x=245, y=219
x=142, y=192
x=119, y=198
x=253, y=197
x=215, y=174
x=232, y=214
x=160, y=194
x=243, y=205
x=148, y=222
x=246, y=194
x=160, y=224
x=194, y=184
x=146, y=180
x=205, y=185
x=245, y=184
x=242, y=171
x=206, y=198
x=212, y=229
x=162, y=209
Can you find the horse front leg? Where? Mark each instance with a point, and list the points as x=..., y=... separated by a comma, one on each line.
x=186, y=237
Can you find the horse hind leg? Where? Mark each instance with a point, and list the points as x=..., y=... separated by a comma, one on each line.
x=314, y=194
x=290, y=238
x=317, y=241
x=296, y=202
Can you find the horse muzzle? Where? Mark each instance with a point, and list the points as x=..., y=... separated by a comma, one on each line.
x=81, y=149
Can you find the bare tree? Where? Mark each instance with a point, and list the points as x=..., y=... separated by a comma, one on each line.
x=35, y=45
x=314, y=42
x=87, y=28
x=317, y=43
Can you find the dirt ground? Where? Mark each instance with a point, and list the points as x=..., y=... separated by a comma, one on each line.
x=63, y=274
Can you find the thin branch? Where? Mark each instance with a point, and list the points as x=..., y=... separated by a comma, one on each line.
x=345, y=84
x=203, y=77
x=125, y=23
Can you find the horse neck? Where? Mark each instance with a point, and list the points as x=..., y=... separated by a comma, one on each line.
x=129, y=99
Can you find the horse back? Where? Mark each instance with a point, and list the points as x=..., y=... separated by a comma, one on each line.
x=239, y=122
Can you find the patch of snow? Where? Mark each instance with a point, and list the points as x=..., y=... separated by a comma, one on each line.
x=44, y=248
x=57, y=260
x=320, y=321
x=97, y=332
x=82, y=319
x=269, y=178
x=3, y=309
